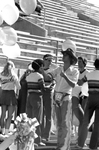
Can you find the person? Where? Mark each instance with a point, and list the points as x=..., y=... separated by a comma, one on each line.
x=39, y=7
x=66, y=77
x=35, y=88
x=77, y=109
x=91, y=106
x=22, y=98
x=47, y=98
x=9, y=85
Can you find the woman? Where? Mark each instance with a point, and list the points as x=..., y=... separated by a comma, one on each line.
x=8, y=102
x=66, y=77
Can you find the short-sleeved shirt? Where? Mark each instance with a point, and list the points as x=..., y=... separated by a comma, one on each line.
x=8, y=82
x=34, y=79
x=83, y=74
x=50, y=69
x=61, y=84
x=93, y=81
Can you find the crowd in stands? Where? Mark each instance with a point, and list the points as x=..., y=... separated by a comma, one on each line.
x=46, y=88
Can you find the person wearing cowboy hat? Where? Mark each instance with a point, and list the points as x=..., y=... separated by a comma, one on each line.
x=66, y=77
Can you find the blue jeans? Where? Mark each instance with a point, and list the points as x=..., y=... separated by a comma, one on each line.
x=63, y=115
x=91, y=106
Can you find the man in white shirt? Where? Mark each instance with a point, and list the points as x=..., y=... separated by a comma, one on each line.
x=66, y=77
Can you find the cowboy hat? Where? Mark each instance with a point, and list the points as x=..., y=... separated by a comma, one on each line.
x=69, y=48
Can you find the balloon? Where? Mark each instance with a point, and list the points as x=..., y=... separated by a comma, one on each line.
x=69, y=44
x=10, y=14
x=28, y=6
x=84, y=89
x=3, y=3
x=1, y=19
x=2, y=36
x=10, y=36
x=11, y=51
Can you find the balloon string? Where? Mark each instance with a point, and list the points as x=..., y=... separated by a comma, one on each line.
x=23, y=18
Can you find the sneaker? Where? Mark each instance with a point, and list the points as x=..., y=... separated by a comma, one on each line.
x=35, y=145
x=41, y=144
x=45, y=139
x=53, y=133
x=77, y=147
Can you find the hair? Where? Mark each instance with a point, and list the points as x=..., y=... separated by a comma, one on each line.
x=5, y=71
x=84, y=60
x=36, y=64
x=71, y=59
x=96, y=63
x=71, y=54
x=47, y=55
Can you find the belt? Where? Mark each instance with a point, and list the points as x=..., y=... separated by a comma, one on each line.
x=58, y=100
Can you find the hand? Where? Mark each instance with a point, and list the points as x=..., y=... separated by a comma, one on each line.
x=41, y=70
x=28, y=71
x=80, y=82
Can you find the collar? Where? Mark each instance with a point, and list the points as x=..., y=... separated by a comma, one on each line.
x=68, y=69
x=82, y=71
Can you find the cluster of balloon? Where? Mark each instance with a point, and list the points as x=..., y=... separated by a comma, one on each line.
x=8, y=38
x=8, y=12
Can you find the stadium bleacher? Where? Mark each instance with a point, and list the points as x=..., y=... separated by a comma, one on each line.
x=60, y=25
x=60, y=19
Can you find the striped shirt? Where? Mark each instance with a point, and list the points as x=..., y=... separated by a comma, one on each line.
x=34, y=80
x=93, y=81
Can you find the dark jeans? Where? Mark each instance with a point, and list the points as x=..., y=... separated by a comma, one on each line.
x=47, y=111
x=77, y=111
x=91, y=106
x=35, y=110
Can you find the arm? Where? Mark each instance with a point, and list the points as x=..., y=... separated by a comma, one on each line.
x=72, y=80
x=82, y=81
x=17, y=83
x=41, y=84
x=26, y=73
x=47, y=77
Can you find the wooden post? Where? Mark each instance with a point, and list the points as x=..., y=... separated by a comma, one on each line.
x=44, y=18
